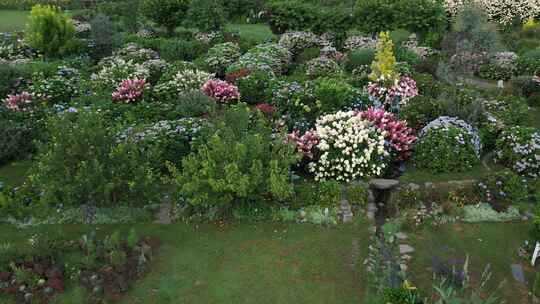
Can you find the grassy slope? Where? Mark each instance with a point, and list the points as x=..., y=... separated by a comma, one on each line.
x=494, y=243
x=12, y=20
x=242, y=263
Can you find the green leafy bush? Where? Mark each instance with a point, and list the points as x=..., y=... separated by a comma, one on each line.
x=18, y=131
x=206, y=15
x=529, y=63
x=10, y=74
x=420, y=111
x=415, y=15
x=177, y=49
x=236, y=159
x=445, y=150
x=167, y=13
x=50, y=31
x=82, y=163
x=359, y=58
x=321, y=194
x=104, y=36
x=333, y=94
x=221, y=56
x=256, y=87
x=288, y=15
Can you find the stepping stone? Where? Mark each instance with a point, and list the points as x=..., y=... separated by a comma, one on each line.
x=517, y=272
x=383, y=184
x=401, y=236
x=405, y=249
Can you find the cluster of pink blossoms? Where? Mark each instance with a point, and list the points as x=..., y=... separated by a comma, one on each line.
x=130, y=90
x=400, y=137
x=18, y=102
x=405, y=88
x=305, y=143
x=221, y=91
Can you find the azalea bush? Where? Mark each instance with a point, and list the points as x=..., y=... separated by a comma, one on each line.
x=236, y=160
x=114, y=70
x=348, y=148
x=130, y=90
x=519, y=148
x=393, y=96
x=447, y=144
x=399, y=136
x=221, y=91
x=18, y=102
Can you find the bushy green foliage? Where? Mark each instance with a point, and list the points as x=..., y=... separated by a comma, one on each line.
x=18, y=131
x=123, y=12
x=236, y=159
x=243, y=8
x=104, y=36
x=529, y=63
x=374, y=16
x=178, y=49
x=166, y=13
x=357, y=195
x=206, y=15
x=9, y=76
x=256, y=87
x=321, y=194
x=359, y=58
x=472, y=32
x=439, y=151
x=333, y=94
x=50, y=31
x=82, y=163
x=420, y=111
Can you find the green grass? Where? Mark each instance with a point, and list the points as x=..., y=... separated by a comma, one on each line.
x=14, y=174
x=241, y=263
x=415, y=175
x=492, y=243
x=12, y=20
x=257, y=33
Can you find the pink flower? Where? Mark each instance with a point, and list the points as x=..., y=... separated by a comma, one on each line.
x=266, y=108
x=130, y=90
x=399, y=136
x=221, y=91
x=305, y=143
x=404, y=89
x=18, y=102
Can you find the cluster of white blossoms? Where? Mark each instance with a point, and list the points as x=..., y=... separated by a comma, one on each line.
x=501, y=11
x=349, y=148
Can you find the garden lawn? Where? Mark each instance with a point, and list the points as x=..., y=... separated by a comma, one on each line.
x=242, y=263
x=488, y=243
x=12, y=20
x=258, y=33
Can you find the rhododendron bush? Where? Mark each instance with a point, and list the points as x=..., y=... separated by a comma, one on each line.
x=130, y=90
x=221, y=91
x=18, y=102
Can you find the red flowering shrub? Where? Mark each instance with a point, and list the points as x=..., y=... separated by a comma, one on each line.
x=18, y=102
x=130, y=90
x=398, y=134
x=221, y=91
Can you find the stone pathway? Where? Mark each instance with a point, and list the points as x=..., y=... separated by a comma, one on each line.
x=163, y=216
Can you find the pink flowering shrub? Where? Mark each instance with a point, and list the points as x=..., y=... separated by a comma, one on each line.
x=221, y=91
x=402, y=90
x=267, y=109
x=305, y=143
x=398, y=134
x=18, y=102
x=130, y=90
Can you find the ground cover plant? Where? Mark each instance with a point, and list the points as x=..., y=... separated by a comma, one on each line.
x=407, y=118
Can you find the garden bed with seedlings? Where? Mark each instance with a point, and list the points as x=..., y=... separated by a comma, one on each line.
x=106, y=267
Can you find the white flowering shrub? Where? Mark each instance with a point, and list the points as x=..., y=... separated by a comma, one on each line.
x=221, y=56
x=354, y=43
x=295, y=42
x=183, y=82
x=322, y=66
x=500, y=65
x=519, y=148
x=502, y=11
x=349, y=148
x=134, y=52
x=114, y=70
x=271, y=58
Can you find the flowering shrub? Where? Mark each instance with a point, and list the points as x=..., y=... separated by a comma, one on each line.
x=295, y=42
x=396, y=95
x=322, y=66
x=136, y=53
x=502, y=11
x=447, y=145
x=114, y=70
x=348, y=148
x=501, y=65
x=221, y=91
x=56, y=88
x=183, y=81
x=519, y=148
x=354, y=43
x=383, y=67
x=267, y=109
x=304, y=143
x=221, y=56
x=18, y=102
x=397, y=133
x=130, y=90
x=268, y=57
x=502, y=189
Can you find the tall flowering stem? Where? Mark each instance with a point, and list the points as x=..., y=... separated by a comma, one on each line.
x=221, y=91
x=130, y=90
x=18, y=102
x=399, y=136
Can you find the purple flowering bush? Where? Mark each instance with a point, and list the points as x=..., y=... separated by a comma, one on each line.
x=519, y=148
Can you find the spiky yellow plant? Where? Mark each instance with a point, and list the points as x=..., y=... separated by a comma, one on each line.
x=383, y=67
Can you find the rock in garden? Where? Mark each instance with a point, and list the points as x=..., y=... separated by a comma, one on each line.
x=405, y=249
x=383, y=184
x=401, y=236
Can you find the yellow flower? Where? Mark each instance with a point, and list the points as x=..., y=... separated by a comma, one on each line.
x=408, y=285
